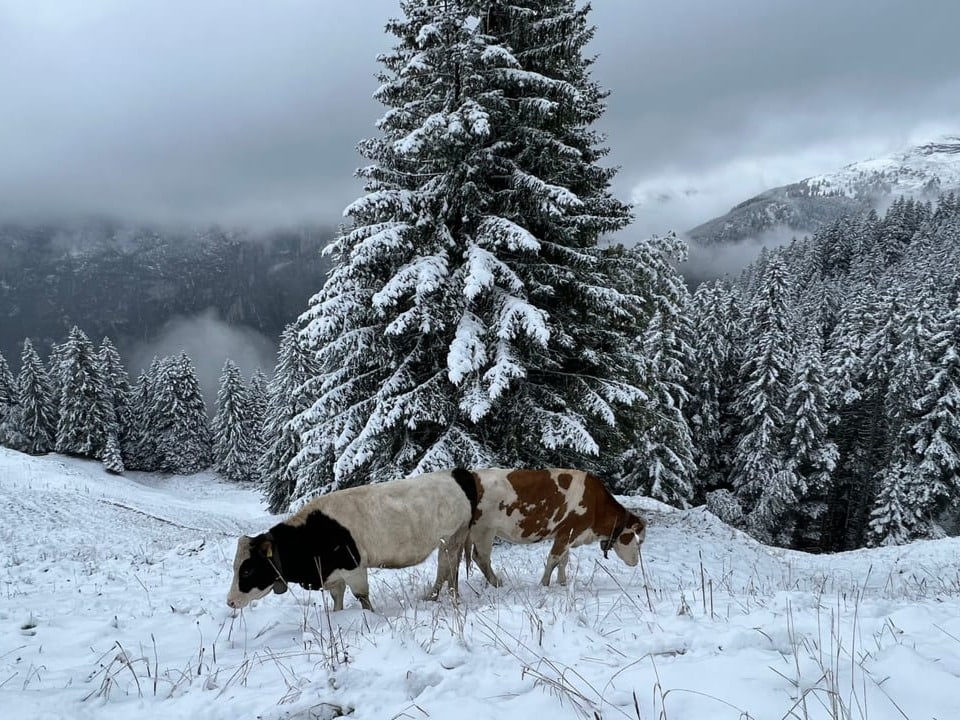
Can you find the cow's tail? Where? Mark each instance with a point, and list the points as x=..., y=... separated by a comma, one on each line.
x=467, y=555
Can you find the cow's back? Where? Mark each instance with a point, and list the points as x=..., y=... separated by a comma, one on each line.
x=400, y=522
x=529, y=505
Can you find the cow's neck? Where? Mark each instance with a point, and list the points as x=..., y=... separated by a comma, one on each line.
x=611, y=521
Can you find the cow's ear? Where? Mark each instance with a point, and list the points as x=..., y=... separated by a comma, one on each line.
x=265, y=546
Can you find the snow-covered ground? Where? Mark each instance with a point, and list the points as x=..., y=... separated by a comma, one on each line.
x=112, y=606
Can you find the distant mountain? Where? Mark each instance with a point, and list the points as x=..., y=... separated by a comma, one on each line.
x=921, y=172
x=128, y=282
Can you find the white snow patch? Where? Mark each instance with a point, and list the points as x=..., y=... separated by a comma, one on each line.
x=112, y=606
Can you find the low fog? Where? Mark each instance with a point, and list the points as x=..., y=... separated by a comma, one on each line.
x=208, y=341
x=709, y=262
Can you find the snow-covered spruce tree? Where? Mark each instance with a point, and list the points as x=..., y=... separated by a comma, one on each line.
x=763, y=482
x=140, y=450
x=811, y=454
x=117, y=383
x=468, y=318
x=661, y=463
x=180, y=425
x=8, y=403
x=37, y=421
x=257, y=397
x=708, y=381
x=55, y=373
x=112, y=458
x=286, y=399
x=83, y=420
x=936, y=436
x=893, y=518
x=116, y=405
x=863, y=430
x=233, y=444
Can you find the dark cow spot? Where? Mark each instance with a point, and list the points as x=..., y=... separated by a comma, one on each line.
x=564, y=480
x=470, y=484
x=313, y=548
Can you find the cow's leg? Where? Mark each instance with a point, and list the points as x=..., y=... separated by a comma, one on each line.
x=482, y=550
x=336, y=589
x=556, y=558
x=360, y=587
x=448, y=563
x=562, y=567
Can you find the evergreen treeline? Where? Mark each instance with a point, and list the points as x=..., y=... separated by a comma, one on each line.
x=825, y=384
x=80, y=402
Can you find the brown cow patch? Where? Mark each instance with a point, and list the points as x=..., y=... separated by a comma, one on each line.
x=540, y=504
x=564, y=480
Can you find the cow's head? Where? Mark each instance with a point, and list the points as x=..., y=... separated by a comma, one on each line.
x=626, y=538
x=256, y=570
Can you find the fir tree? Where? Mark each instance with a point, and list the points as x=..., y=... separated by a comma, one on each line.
x=867, y=453
x=662, y=465
x=8, y=404
x=934, y=436
x=468, y=318
x=763, y=481
x=37, y=418
x=140, y=450
x=180, y=425
x=115, y=401
x=892, y=519
x=287, y=397
x=112, y=458
x=83, y=421
x=55, y=372
x=233, y=443
x=811, y=454
x=257, y=396
x=117, y=387
x=708, y=379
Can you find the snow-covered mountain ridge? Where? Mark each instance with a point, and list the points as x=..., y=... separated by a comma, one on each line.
x=922, y=172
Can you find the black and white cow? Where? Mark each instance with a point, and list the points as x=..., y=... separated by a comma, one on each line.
x=332, y=541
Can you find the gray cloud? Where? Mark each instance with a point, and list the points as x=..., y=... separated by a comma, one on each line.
x=250, y=112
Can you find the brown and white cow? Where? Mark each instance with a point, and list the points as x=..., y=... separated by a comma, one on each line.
x=332, y=541
x=572, y=507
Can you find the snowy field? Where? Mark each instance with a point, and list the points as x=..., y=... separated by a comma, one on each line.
x=112, y=606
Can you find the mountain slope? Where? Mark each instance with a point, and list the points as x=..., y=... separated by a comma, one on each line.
x=114, y=607
x=921, y=172
x=128, y=282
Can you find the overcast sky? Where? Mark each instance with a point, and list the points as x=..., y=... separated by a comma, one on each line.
x=249, y=112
